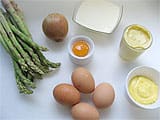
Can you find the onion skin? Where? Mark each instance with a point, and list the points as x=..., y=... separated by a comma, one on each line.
x=55, y=27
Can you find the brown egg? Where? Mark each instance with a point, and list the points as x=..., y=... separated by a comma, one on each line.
x=66, y=94
x=103, y=95
x=83, y=80
x=84, y=111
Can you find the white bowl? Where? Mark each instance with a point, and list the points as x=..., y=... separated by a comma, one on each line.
x=81, y=60
x=98, y=15
x=150, y=73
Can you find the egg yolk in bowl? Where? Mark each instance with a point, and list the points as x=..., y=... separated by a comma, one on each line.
x=80, y=48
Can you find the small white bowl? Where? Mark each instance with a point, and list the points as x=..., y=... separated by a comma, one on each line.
x=81, y=60
x=150, y=73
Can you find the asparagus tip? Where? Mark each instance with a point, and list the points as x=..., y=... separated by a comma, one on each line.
x=43, y=48
x=5, y=3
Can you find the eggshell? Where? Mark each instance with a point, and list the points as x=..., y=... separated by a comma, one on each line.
x=84, y=111
x=103, y=95
x=66, y=94
x=83, y=80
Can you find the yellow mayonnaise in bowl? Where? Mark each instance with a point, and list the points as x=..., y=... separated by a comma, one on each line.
x=143, y=87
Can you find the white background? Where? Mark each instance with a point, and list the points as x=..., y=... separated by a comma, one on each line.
x=105, y=67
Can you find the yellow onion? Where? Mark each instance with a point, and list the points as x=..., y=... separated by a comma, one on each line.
x=55, y=26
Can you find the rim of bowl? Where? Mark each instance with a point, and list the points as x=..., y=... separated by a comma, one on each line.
x=150, y=106
x=85, y=38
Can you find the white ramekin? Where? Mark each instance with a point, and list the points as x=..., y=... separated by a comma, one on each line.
x=150, y=73
x=81, y=60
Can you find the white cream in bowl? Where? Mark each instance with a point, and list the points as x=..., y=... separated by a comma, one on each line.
x=98, y=15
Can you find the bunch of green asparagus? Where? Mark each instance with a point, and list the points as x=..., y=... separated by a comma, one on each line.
x=28, y=60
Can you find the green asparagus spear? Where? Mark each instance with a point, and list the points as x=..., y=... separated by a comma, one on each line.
x=4, y=44
x=18, y=46
x=34, y=56
x=29, y=62
x=33, y=45
x=29, y=50
x=25, y=80
x=15, y=55
x=17, y=9
x=20, y=14
x=26, y=39
x=11, y=19
x=29, y=76
x=20, y=23
x=9, y=8
x=53, y=65
x=21, y=87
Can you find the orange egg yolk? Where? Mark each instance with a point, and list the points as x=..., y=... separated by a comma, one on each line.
x=80, y=48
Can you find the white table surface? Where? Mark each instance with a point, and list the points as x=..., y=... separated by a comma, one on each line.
x=105, y=67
